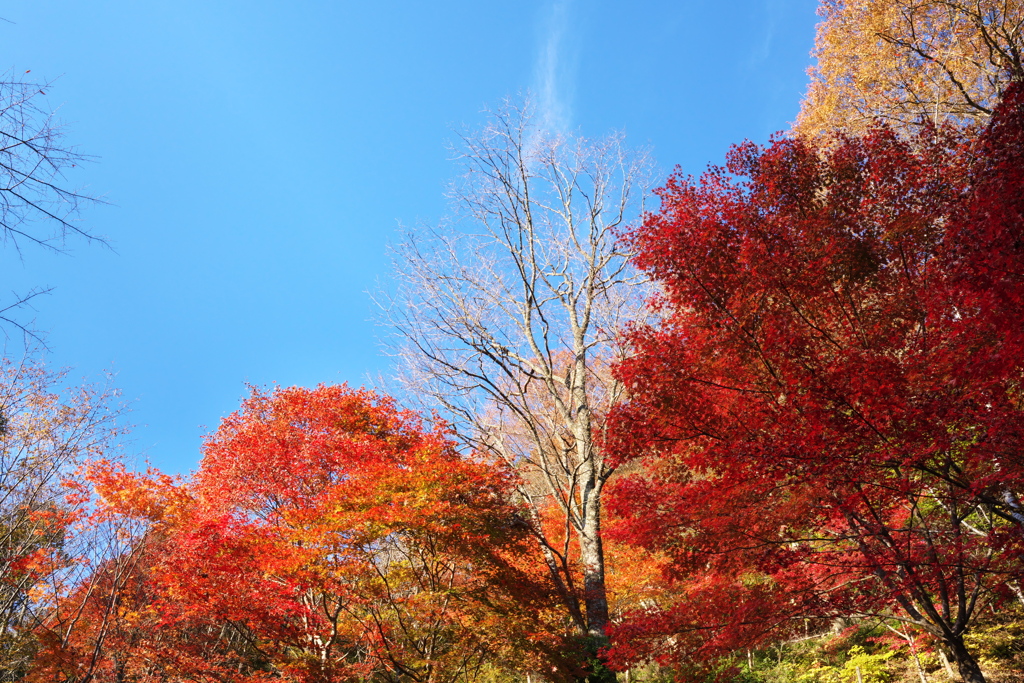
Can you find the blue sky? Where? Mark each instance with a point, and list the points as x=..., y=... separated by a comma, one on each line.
x=257, y=156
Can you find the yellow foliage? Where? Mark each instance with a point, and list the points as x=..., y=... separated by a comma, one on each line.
x=860, y=667
x=905, y=61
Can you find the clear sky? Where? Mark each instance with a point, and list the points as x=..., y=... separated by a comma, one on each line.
x=257, y=156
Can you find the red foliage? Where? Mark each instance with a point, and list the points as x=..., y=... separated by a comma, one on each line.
x=326, y=536
x=829, y=404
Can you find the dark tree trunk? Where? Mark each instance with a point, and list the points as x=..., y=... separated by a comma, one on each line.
x=966, y=664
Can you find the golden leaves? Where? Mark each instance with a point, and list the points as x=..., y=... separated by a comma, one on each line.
x=905, y=62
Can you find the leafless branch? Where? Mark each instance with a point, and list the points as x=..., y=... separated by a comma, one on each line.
x=506, y=317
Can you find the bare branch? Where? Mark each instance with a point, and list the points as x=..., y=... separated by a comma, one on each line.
x=506, y=316
x=37, y=206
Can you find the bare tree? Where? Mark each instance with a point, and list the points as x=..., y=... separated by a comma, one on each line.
x=47, y=433
x=506, y=320
x=36, y=205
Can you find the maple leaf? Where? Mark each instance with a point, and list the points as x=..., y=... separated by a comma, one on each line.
x=829, y=405
x=326, y=535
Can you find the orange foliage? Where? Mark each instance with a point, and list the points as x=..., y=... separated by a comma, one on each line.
x=326, y=536
x=904, y=61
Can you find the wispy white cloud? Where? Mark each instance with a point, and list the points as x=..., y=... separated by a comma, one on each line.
x=762, y=49
x=555, y=67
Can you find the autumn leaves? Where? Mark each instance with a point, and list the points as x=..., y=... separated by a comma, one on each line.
x=326, y=536
x=907, y=61
x=817, y=420
x=832, y=389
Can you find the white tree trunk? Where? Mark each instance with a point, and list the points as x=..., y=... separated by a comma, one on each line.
x=506, y=321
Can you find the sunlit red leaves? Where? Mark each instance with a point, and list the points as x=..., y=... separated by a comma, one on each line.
x=327, y=535
x=819, y=399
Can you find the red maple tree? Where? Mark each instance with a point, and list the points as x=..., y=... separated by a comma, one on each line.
x=326, y=536
x=829, y=404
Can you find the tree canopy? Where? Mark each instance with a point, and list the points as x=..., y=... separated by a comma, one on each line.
x=326, y=536
x=905, y=62
x=830, y=398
